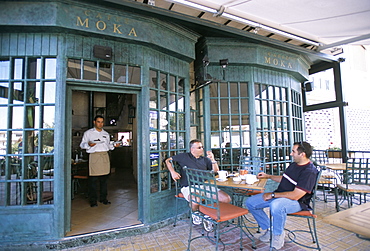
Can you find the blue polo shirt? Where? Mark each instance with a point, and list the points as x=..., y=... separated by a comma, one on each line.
x=302, y=177
x=188, y=160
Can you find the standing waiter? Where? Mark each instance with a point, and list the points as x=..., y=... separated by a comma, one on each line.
x=96, y=141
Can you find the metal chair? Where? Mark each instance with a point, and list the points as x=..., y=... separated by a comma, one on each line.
x=178, y=197
x=356, y=180
x=204, y=192
x=311, y=220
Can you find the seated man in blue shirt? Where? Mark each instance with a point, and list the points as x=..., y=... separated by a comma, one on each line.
x=194, y=160
x=292, y=195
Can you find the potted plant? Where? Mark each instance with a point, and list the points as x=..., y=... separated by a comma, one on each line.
x=334, y=152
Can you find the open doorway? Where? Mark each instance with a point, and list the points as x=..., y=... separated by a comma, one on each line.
x=119, y=117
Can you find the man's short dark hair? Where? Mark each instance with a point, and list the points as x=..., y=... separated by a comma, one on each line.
x=192, y=142
x=305, y=147
x=98, y=116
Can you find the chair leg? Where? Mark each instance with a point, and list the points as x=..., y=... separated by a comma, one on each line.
x=176, y=205
x=336, y=198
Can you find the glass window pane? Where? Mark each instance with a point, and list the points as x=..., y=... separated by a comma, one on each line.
x=223, y=90
x=120, y=73
x=234, y=106
x=163, y=81
x=4, y=117
x=33, y=68
x=153, y=99
x=18, y=68
x=74, y=68
x=153, y=79
x=153, y=141
x=50, y=68
x=173, y=121
x=172, y=84
x=214, y=106
x=163, y=121
x=4, y=69
x=49, y=92
x=163, y=101
x=234, y=90
x=49, y=117
x=90, y=70
x=105, y=72
x=181, y=124
x=153, y=120
x=180, y=104
x=172, y=103
x=224, y=106
x=180, y=85
x=33, y=93
x=134, y=74
x=244, y=106
x=17, y=119
x=244, y=90
x=47, y=141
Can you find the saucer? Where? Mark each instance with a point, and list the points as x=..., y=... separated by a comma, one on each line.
x=222, y=180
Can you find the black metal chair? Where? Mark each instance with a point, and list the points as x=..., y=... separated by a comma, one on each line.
x=204, y=192
x=356, y=180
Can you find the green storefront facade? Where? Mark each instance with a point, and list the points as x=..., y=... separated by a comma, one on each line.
x=50, y=49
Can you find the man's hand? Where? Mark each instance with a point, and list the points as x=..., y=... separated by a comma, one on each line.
x=210, y=155
x=91, y=144
x=262, y=175
x=267, y=196
x=175, y=175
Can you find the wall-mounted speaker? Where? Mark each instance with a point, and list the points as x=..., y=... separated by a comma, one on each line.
x=102, y=52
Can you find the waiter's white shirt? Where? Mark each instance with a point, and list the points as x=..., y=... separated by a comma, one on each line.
x=101, y=138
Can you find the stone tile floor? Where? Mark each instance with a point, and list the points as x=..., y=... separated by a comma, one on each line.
x=175, y=238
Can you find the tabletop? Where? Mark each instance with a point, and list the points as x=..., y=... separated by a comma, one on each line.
x=258, y=185
x=336, y=166
x=355, y=219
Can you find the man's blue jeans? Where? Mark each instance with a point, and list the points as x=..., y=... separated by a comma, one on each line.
x=279, y=207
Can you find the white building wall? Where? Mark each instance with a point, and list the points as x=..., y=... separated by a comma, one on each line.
x=322, y=127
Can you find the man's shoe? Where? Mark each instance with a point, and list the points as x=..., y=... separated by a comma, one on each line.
x=197, y=220
x=278, y=241
x=105, y=202
x=93, y=204
x=265, y=237
x=208, y=224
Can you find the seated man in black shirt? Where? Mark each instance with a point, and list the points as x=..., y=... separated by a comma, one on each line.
x=194, y=160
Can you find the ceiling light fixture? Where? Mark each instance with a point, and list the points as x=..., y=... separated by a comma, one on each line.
x=195, y=5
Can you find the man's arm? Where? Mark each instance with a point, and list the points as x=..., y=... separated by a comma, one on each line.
x=296, y=194
x=263, y=175
x=215, y=167
x=175, y=175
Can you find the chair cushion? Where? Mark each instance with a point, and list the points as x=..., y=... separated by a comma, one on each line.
x=353, y=188
x=227, y=212
x=304, y=213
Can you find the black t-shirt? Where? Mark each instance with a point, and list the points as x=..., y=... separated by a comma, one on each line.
x=188, y=160
x=302, y=177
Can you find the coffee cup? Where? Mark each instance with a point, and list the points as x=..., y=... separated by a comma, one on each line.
x=250, y=178
x=222, y=175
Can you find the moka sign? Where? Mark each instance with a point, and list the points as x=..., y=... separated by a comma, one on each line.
x=279, y=60
x=98, y=21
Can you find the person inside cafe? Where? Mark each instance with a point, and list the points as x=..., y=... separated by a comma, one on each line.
x=96, y=141
x=292, y=195
x=194, y=160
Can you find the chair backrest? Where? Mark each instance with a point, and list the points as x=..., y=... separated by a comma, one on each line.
x=320, y=156
x=313, y=200
x=203, y=188
x=357, y=171
x=254, y=165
